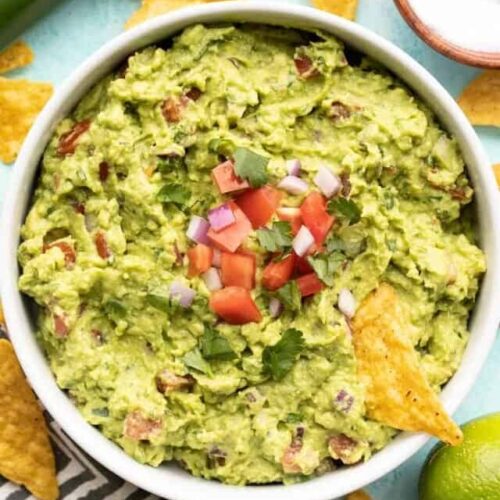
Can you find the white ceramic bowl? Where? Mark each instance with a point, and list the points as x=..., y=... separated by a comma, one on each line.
x=170, y=481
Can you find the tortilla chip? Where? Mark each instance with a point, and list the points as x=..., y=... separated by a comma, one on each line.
x=480, y=100
x=20, y=103
x=496, y=171
x=342, y=8
x=358, y=495
x=15, y=56
x=397, y=392
x=153, y=8
x=26, y=456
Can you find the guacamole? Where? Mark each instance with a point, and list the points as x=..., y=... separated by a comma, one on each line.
x=206, y=222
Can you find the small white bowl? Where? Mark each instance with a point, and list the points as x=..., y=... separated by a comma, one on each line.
x=170, y=481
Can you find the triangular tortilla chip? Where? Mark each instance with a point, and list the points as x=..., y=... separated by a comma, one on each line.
x=15, y=56
x=480, y=100
x=496, y=171
x=397, y=392
x=20, y=103
x=358, y=495
x=342, y=8
x=153, y=8
x=26, y=456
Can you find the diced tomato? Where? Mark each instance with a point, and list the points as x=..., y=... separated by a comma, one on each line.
x=172, y=110
x=103, y=171
x=167, y=381
x=200, y=260
x=343, y=448
x=102, y=245
x=140, y=428
x=194, y=94
x=235, y=306
x=231, y=237
x=69, y=140
x=305, y=67
x=291, y=215
x=315, y=216
x=302, y=266
x=226, y=179
x=66, y=249
x=259, y=205
x=289, y=460
x=309, y=284
x=60, y=326
x=79, y=207
x=238, y=270
x=277, y=274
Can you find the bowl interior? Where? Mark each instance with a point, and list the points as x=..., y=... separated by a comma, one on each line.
x=170, y=481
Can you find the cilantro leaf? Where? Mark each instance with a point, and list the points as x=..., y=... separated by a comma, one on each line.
x=335, y=244
x=169, y=163
x=325, y=266
x=278, y=237
x=251, y=167
x=193, y=359
x=279, y=358
x=215, y=346
x=294, y=418
x=115, y=309
x=174, y=193
x=345, y=209
x=289, y=295
x=159, y=302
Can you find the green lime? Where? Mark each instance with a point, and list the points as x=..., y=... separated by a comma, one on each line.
x=470, y=471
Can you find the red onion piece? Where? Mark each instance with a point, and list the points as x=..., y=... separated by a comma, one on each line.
x=343, y=401
x=347, y=303
x=212, y=279
x=221, y=217
x=303, y=241
x=328, y=183
x=216, y=258
x=293, y=185
x=182, y=293
x=275, y=307
x=198, y=229
x=293, y=167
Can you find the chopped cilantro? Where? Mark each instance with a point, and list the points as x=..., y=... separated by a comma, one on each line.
x=174, y=193
x=345, y=209
x=215, y=346
x=335, y=244
x=193, y=359
x=159, y=302
x=251, y=167
x=289, y=296
x=389, y=200
x=115, y=309
x=276, y=238
x=167, y=164
x=325, y=266
x=279, y=358
x=294, y=418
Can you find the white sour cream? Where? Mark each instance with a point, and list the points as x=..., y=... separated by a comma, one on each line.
x=470, y=24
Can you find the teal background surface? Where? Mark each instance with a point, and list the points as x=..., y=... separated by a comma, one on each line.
x=74, y=29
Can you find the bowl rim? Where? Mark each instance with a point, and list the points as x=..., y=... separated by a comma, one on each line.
x=168, y=481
